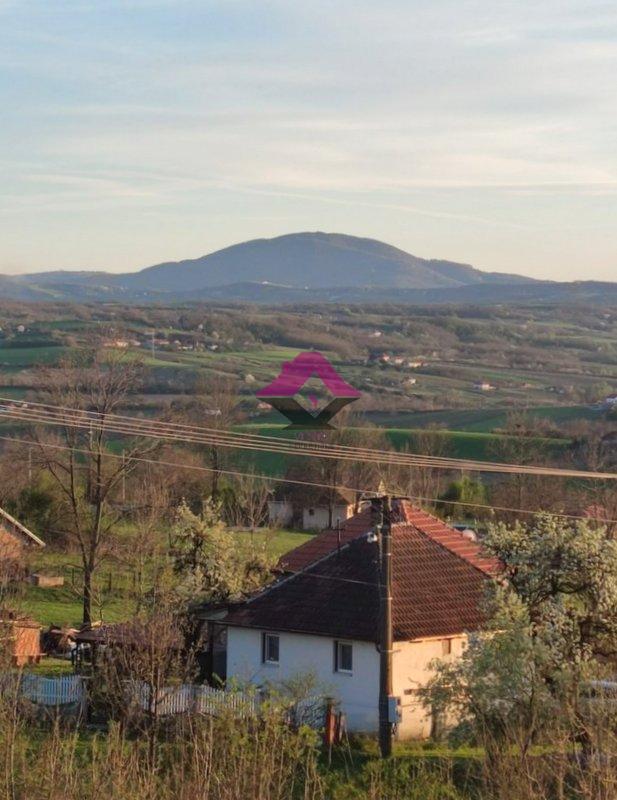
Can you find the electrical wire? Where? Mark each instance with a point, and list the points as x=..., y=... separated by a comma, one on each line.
x=79, y=418
x=177, y=465
x=270, y=478
x=299, y=448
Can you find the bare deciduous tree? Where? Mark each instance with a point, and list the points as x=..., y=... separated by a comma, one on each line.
x=215, y=406
x=78, y=460
x=248, y=502
x=335, y=473
x=143, y=552
x=598, y=453
x=424, y=484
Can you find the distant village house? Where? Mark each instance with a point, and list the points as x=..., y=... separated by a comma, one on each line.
x=312, y=509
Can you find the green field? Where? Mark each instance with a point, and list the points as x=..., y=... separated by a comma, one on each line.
x=470, y=444
x=62, y=606
x=12, y=358
x=480, y=420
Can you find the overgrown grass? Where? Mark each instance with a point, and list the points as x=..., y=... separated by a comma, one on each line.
x=30, y=356
x=63, y=606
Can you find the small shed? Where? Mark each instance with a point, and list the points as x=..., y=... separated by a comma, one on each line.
x=311, y=508
x=22, y=637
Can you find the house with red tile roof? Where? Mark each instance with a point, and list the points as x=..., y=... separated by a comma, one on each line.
x=323, y=615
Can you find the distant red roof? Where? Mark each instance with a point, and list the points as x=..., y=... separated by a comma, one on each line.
x=439, y=581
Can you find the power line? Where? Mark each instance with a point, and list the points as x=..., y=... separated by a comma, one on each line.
x=511, y=510
x=79, y=418
x=214, y=437
x=312, y=484
x=177, y=465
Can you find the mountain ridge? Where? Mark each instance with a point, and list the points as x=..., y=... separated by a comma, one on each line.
x=302, y=267
x=313, y=259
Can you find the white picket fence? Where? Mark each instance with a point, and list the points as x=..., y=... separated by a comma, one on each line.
x=189, y=698
x=186, y=698
x=64, y=690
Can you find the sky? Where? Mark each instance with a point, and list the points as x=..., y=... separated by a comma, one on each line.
x=139, y=131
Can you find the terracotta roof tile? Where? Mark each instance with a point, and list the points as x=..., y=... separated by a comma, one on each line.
x=326, y=542
x=436, y=591
x=318, y=601
x=402, y=511
x=446, y=536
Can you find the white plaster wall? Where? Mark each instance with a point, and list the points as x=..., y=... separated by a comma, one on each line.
x=358, y=693
x=410, y=671
x=320, y=518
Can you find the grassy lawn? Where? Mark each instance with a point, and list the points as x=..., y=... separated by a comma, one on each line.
x=62, y=605
x=52, y=667
x=279, y=542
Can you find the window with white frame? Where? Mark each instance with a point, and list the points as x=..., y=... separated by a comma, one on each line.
x=270, y=648
x=343, y=657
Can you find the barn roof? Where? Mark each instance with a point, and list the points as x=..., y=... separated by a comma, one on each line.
x=303, y=496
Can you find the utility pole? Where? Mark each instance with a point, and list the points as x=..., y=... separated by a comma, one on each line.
x=386, y=710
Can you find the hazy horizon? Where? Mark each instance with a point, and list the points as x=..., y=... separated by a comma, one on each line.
x=142, y=131
x=231, y=244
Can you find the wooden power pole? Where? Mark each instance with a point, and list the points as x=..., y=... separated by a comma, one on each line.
x=386, y=700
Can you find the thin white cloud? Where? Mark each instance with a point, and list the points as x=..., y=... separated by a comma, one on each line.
x=484, y=117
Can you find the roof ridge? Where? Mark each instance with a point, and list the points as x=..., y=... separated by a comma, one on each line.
x=443, y=546
x=472, y=560
x=20, y=527
x=435, y=592
x=325, y=537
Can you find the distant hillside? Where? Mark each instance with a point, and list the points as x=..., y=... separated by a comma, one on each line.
x=20, y=289
x=303, y=268
x=313, y=260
